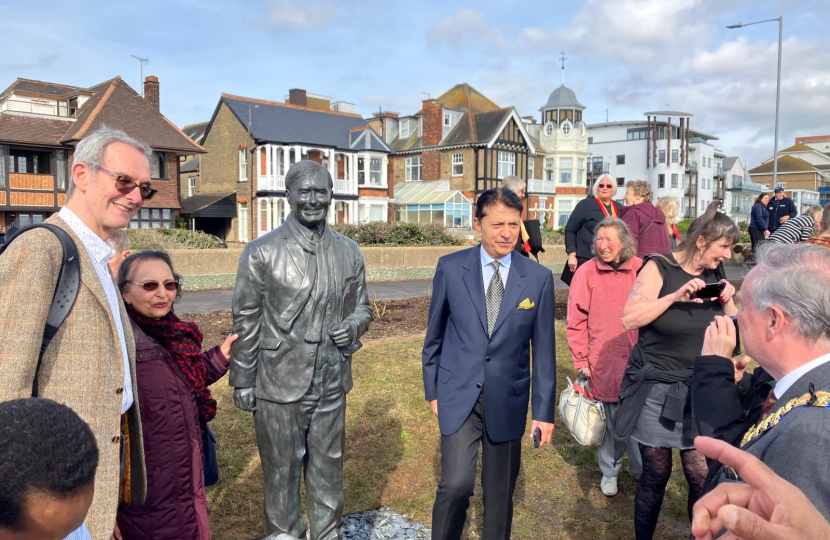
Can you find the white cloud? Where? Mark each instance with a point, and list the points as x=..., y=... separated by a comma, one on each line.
x=461, y=29
x=296, y=15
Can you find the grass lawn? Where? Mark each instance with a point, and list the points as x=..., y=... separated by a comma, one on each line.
x=392, y=460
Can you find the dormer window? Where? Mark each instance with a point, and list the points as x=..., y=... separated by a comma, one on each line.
x=447, y=119
x=405, y=129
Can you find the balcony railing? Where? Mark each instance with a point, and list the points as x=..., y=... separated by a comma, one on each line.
x=345, y=187
x=270, y=182
x=744, y=185
x=742, y=209
x=719, y=172
x=691, y=167
x=541, y=186
x=598, y=168
x=691, y=190
x=811, y=202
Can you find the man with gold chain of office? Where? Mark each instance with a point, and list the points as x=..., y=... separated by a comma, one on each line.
x=781, y=411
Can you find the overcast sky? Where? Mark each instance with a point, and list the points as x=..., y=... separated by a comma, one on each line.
x=623, y=56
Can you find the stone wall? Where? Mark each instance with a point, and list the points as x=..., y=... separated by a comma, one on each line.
x=216, y=268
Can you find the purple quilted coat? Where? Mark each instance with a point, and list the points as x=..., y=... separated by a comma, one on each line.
x=175, y=508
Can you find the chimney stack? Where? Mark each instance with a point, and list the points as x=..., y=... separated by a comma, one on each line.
x=297, y=96
x=432, y=118
x=151, y=91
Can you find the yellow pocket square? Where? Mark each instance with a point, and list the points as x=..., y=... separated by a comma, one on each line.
x=527, y=304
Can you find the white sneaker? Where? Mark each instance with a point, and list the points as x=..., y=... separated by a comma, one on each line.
x=608, y=486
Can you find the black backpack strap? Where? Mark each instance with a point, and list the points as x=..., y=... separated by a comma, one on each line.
x=66, y=289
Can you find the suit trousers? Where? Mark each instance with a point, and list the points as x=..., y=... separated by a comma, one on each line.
x=499, y=470
x=307, y=434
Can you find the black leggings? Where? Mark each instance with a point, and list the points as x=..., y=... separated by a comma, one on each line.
x=657, y=464
x=757, y=236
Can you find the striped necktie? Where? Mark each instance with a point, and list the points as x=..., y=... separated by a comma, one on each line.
x=495, y=293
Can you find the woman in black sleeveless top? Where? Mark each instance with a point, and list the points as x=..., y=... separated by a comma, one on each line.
x=655, y=402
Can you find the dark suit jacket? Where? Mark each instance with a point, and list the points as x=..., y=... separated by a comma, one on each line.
x=459, y=359
x=796, y=448
x=281, y=364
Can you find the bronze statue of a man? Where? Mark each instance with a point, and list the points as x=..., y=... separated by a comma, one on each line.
x=299, y=307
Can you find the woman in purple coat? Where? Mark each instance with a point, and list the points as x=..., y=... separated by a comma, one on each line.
x=172, y=375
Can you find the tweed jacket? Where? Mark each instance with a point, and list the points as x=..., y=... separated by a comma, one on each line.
x=796, y=448
x=83, y=366
x=280, y=364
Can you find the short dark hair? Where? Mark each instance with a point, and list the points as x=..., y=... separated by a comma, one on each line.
x=305, y=169
x=147, y=255
x=46, y=448
x=495, y=196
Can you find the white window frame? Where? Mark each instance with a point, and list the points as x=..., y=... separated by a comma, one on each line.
x=661, y=156
x=580, y=172
x=550, y=168
x=674, y=180
x=191, y=186
x=566, y=127
x=447, y=119
x=405, y=133
x=549, y=129
x=243, y=165
x=506, y=164
x=531, y=167
x=458, y=164
x=242, y=220
x=569, y=169
x=379, y=172
x=675, y=154
x=411, y=167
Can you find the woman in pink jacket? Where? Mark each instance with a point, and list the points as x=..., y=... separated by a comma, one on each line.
x=599, y=344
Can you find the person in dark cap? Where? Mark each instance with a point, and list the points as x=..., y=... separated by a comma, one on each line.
x=780, y=209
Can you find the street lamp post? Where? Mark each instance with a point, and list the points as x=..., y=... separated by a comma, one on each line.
x=777, y=88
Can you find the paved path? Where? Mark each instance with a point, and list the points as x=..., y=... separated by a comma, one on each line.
x=209, y=301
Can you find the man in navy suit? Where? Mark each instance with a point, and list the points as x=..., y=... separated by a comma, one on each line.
x=487, y=308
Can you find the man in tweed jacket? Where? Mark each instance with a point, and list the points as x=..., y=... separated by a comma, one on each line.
x=90, y=364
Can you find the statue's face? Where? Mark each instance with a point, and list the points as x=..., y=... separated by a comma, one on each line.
x=309, y=199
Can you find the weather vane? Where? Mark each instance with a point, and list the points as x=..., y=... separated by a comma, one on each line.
x=562, y=59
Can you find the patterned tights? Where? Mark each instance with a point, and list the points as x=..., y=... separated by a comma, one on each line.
x=657, y=464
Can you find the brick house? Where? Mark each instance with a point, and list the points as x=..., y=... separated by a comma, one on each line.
x=803, y=172
x=40, y=124
x=461, y=137
x=252, y=143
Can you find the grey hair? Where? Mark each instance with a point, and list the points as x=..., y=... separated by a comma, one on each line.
x=825, y=220
x=789, y=277
x=306, y=169
x=119, y=240
x=613, y=185
x=814, y=212
x=513, y=183
x=641, y=188
x=90, y=150
x=629, y=244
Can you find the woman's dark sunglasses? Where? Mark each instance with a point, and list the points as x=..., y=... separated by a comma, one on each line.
x=151, y=286
x=125, y=185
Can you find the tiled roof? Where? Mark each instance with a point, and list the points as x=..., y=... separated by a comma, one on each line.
x=413, y=143
x=481, y=129
x=190, y=166
x=22, y=129
x=785, y=164
x=799, y=147
x=195, y=131
x=112, y=103
x=367, y=139
x=276, y=122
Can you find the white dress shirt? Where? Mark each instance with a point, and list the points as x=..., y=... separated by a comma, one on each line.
x=790, y=378
x=487, y=269
x=100, y=252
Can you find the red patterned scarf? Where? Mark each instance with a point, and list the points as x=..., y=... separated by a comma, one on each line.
x=183, y=340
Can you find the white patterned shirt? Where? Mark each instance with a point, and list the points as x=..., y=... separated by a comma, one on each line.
x=100, y=252
x=81, y=533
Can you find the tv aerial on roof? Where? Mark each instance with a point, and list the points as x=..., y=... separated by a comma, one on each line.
x=142, y=61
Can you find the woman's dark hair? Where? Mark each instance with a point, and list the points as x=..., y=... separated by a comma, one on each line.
x=494, y=196
x=136, y=258
x=761, y=196
x=711, y=226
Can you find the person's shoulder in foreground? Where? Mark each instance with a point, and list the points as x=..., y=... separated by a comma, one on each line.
x=47, y=470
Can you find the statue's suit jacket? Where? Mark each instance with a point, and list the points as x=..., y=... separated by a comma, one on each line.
x=459, y=359
x=82, y=367
x=281, y=364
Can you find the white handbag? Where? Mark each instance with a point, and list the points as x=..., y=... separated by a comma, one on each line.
x=583, y=415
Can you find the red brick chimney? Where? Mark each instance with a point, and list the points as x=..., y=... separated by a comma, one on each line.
x=297, y=96
x=431, y=118
x=151, y=91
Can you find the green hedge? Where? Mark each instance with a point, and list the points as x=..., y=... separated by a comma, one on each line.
x=398, y=233
x=167, y=239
